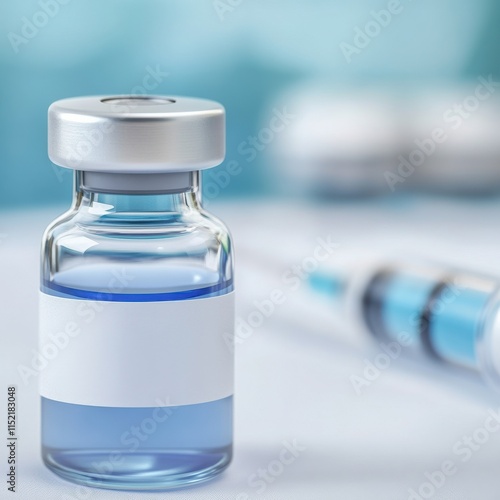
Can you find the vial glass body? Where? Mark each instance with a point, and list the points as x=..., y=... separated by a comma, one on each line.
x=121, y=251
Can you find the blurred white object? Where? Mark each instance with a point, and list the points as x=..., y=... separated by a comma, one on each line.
x=467, y=160
x=442, y=138
x=339, y=143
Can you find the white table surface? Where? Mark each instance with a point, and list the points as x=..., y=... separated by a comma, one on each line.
x=293, y=372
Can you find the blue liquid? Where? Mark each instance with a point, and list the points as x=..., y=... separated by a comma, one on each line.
x=137, y=448
x=454, y=327
x=132, y=447
x=443, y=318
x=405, y=300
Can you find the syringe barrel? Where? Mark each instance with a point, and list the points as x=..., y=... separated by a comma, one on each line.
x=445, y=314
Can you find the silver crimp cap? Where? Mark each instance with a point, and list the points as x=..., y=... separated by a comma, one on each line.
x=136, y=134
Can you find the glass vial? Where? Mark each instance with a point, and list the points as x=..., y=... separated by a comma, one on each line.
x=137, y=301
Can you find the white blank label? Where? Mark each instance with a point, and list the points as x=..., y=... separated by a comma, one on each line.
x=136, y=354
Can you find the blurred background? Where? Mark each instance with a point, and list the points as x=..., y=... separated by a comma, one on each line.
x=373, y=126
x=363, y=81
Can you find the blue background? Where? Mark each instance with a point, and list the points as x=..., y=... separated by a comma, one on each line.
x=257, y=50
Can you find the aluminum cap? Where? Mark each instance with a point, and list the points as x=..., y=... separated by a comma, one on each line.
x=136, y=134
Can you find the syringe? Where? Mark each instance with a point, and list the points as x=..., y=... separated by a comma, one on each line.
x=450, y=315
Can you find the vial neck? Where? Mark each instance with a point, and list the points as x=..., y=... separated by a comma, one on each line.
x=135, y=193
